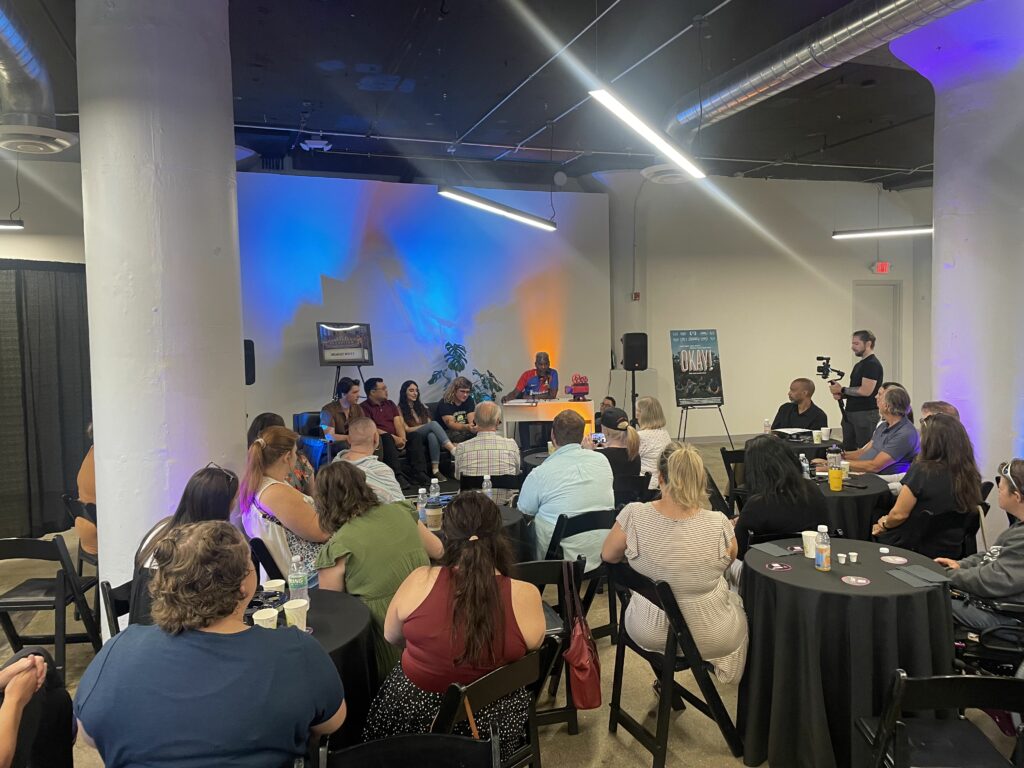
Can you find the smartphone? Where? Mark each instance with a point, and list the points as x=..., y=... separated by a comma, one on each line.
x=598, y=438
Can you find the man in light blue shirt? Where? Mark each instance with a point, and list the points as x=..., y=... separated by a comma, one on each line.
x=570, y=481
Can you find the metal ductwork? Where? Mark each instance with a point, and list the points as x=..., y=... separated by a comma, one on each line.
x=853, y=30
x=27, y=119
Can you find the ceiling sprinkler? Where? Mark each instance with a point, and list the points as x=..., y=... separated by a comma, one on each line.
x=313, y=145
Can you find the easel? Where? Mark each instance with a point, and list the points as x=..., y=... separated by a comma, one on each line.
x=684, y=417
x=337, y=378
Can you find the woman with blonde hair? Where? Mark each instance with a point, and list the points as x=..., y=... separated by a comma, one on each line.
x=455, y=411
x=653, y=436
x=200, y=686
x=677, y=539
x=274, y=511
x=622, y=444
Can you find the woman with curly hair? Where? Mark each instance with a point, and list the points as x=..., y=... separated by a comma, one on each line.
x=162, y=693
x=455, y=411
x=372, y=549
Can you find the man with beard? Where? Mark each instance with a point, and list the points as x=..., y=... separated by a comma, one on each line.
x=861, y=408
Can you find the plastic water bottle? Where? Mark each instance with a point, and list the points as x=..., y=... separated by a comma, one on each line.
x=486, y=487
x=823, y=550
x=421, y=505
x=298, y=581
x=435, y=490
x=806, y=466
x=767, y=427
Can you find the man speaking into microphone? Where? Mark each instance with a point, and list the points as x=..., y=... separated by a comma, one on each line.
x=861, y=408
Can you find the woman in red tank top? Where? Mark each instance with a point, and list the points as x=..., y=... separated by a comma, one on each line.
x=456, y=623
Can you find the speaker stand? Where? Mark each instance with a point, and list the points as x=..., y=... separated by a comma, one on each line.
x=633, y=396
x=684, y=417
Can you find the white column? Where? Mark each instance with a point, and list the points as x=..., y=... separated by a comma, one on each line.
x=161, y=243
x=975, y=60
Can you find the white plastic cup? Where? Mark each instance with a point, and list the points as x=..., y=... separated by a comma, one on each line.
x=816, y=434
x=295, y=613
x=853, y=558
x=266, y=618
x=274, y=585
x=809, y=537
x=841, y=557
x=826, y=433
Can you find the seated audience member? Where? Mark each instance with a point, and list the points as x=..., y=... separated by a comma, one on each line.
x=300, y=478
x=652, y=433
x=210, y=494
x=780, y=499
x=201, y=687
x=456, y=411
x=895, y=441
x=488, y=453
x=36, y=718
x=372, y=548
x=943, y=478
x=419, y=422
x=881, y=393
x=393, y=438
x=456, y=623
x=800, y=412
x=364, y=439
x=274, y=511
x=569, y=482
x=939, y=406
x=677, y=539
x=336, y=415
x=997, y=574
x=622, y=443
x=85, y=529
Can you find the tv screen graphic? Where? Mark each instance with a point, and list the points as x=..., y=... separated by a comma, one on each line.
x=344, y=344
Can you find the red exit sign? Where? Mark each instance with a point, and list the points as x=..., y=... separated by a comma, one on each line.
x=881, y=267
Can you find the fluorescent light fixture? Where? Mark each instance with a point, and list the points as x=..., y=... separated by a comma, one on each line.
x=860, y=234
x=622, y=112
x=492, y=207
x=12, y=224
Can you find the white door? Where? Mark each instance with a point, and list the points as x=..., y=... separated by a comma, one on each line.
x=876, y=308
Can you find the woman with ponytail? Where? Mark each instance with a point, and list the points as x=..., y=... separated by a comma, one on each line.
x=622, y=443
x=679, y=540
x=274, y=511
x=456, y=623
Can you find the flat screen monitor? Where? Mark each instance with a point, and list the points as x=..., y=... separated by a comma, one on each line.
x=344, y=344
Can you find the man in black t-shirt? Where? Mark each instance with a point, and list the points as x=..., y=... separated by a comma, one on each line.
x=800, y=412
x=861, y=409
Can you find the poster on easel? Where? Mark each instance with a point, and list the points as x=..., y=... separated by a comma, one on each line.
x=696, y=368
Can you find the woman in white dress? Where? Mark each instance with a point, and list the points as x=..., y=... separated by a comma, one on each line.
x=677, y=539
x=653, y=435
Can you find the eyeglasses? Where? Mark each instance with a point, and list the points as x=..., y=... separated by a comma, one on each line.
x=231, y=476
x=1004, y=471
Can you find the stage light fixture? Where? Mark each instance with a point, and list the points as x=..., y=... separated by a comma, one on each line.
x=12, y=224
x=660, y=143
x=499, y=208
x=864, y=234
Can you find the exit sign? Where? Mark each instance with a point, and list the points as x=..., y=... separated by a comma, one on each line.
x=881, y=267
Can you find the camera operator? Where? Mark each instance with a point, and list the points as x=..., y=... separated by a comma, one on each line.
x=861, y=412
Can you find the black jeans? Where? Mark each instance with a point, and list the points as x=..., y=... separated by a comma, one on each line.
x=46, y=734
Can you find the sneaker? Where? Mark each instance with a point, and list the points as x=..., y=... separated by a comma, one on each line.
x=439, y=477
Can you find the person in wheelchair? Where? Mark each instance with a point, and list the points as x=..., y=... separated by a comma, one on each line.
x=998, y=574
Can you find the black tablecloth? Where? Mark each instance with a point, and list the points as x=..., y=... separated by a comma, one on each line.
x=519, y=533
x=811, y=449
x=854, y=510
x=341, y=623
x=822, y=653
x=533, y=460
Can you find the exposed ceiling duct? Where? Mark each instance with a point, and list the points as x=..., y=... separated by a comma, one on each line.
x=853, y=30
x=27, y=119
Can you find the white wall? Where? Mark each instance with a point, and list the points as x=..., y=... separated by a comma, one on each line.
x=421, y=270
x=51, y=207
x=755, y=260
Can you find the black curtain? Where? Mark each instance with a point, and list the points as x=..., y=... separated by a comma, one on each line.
x=45, y=403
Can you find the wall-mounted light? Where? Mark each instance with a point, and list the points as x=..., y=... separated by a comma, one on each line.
x=864, y=234
x=622, y=112
x=499, y=208
x=12, y=224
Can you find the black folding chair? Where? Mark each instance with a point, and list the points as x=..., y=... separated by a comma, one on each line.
x=524, y=673
x=665, y=664
x=541, y=573
x=900, y=742
x=629, y=488
x=423, y=750
x=116, y=603
x=76, y=509
x=262, y=557
x=734, y=461
x=476, y=482
x=54, y=593
x=718, y=502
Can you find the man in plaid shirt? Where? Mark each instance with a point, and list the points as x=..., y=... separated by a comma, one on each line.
x=488, y=453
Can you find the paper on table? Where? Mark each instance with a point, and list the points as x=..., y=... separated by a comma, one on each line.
x=908, y=578
x=792, y=431
x=770, y=548
x=925, y=573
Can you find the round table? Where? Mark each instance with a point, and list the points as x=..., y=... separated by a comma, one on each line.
x=854, y=510
x=341, y=624
x=533, y=460
x=822, y=652
x=811, y=449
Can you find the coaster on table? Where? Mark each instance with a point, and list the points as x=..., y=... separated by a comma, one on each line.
x=893, y=559
x=856, y=581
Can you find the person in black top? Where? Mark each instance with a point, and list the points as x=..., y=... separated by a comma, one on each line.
x=622, y=443
x=780, y=499
x=800, y=412
x=861, y=409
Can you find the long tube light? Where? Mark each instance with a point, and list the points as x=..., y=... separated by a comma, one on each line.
x=859, y=234
x=12, y=224
x=499, y=208
x=622, y=112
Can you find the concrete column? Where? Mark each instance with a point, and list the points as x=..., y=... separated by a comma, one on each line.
x=161, y=243
x=975, y=60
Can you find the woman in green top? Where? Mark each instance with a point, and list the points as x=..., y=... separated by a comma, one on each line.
x=372, y=549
